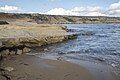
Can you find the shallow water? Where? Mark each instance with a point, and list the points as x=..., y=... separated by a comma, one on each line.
x=99, y=43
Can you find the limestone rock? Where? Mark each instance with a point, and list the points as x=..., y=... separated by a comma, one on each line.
x=5, y=52
x=46, y=49
x=9, y=69
x=10, y=42
x=19, y=52
x=25, y=50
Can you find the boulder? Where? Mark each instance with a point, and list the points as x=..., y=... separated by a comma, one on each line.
x=5, y=52
x=46, y=49
x=72, y=36
x=19, y=52
x=25, y=50
x=9, y=69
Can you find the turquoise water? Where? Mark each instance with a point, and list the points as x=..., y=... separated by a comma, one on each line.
x=102, y=45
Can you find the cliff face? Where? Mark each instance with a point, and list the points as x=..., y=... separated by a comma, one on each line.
x=56, y=19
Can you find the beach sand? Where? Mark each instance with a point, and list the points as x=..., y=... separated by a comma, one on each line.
x=32, y=68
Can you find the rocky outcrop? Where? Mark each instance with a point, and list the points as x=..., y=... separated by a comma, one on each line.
x=20, y=36
x=10, y=46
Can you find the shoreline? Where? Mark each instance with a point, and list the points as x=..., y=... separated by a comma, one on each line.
x=18, y=37
x=29, y=67
x=33, y=68
x=13, y=44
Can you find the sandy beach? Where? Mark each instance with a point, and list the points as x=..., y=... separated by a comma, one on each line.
x=33, y=68
x=28, y=67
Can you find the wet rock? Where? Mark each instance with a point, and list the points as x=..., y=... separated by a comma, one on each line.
x=61, y=53
x=46, y=49
x=113, y=65
x=71, y=30
x=9, y=69
x=25, y=50
x=60, y=58
x=98, y=59
x=72, y=36
x=71, y=52
x=19, y=52
x=87, y=34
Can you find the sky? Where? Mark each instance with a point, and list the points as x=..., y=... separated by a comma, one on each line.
x=63, y=7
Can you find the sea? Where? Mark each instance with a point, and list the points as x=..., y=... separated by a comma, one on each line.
x=98, y=43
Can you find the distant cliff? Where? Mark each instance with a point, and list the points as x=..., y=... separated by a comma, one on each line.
x=58, y=19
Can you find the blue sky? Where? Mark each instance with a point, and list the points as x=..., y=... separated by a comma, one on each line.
x=51, y=6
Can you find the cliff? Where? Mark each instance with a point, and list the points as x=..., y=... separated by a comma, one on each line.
x=58, y=19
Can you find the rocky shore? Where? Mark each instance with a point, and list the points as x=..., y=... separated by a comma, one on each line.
x=23, y=45
x=19, y=37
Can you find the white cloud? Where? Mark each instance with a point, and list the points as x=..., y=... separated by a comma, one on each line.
x=57, y=11
x=78, y=11
x=7, y=8
x=115, y=6
x=114, y=9
x=89, y=11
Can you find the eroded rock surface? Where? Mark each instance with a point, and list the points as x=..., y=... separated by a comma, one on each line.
x=19, y=36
